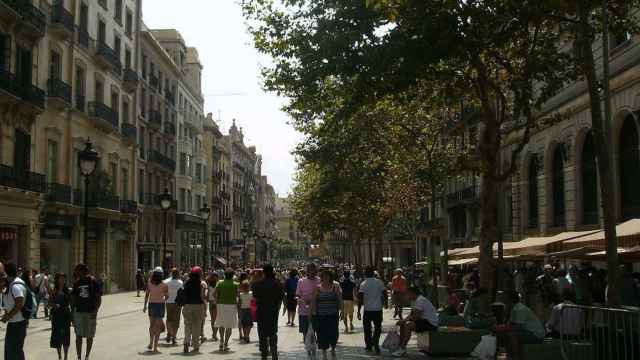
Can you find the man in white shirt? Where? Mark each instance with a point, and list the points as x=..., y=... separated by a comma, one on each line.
x=173, y=310
x=372, y=294
x=13, y=300
x=41, y=290
x=423, y=317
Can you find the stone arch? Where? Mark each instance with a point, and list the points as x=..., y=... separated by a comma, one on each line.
x=587, y=194
x=554, y=163
x=530, y=192
x=628, y=165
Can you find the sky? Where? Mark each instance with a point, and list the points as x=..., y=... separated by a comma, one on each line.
x=231, y=78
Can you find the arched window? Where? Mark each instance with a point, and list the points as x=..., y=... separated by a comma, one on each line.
x=589, y=174
x=558, y=186
x=533, y=191
x=629, y=170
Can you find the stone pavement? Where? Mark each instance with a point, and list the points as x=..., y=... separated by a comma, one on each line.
x=123, y=334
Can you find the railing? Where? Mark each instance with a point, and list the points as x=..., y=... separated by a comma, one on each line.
x=107, y=202
x=33, y=95
x=59, y=193
x=164, y=161
x=155, y=117
x=34, y=16
x=59, y=89
x=9, y=83
x=103, y=112
x=129, y=131
x=597, y=333
x=61, y=16
x=112, y=57
x=128, y=206
x=466, y=194
x=22, y=179
x=130, y=76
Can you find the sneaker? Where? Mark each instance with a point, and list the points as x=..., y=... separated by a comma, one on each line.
x=399, y=353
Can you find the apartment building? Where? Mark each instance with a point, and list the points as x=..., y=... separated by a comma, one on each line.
x=157, y=151
x=68, y=70
x=212, y=145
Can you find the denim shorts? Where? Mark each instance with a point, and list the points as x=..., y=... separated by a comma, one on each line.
x=156, y=310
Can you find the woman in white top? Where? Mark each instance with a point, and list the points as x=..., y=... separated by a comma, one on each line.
x=244, y=307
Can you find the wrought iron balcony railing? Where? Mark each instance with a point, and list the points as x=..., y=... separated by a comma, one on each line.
x=162, y=160
x=9, y=83
x=59, y=89
x=129, y=131
x=155, y=117
x=111, y=56
x=101, y=111
x=62, y=17
x=22, y=179
x=128, y=206
x=59, y=193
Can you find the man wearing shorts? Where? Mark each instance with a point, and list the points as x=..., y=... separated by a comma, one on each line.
x=86, y=303
x=423, y=318
x=398, y=293
x=173, y=310
x=348, y=296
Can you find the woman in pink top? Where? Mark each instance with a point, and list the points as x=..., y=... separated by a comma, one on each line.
x=156, y=295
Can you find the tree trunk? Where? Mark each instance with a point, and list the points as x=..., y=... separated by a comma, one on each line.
x=600, y=139
x=370, y=251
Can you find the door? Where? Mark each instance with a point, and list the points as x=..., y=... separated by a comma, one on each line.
x=24, y=66
x=102, y=32
x=55, y=66
x=22, y=152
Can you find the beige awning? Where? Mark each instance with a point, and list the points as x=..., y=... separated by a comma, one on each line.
x=536, y=246
x=456, y=251
x=627, y=228
x=463, y=262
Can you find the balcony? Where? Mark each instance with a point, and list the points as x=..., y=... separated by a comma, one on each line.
x=22, y=179
x=34, y=22
x=58, y=94
x=129, y=133
x=107, y=202
x=59, y=193
x=128, y=206
x=461, y=197
x=9, y=89
x=62, y=22
x=188, y=219
x=33, y=99
x=155, y=118
x=103, y=116
x=131, y=80
x=162, y=160
x=107, y=57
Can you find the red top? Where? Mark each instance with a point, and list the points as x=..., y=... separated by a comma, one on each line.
x=399, y=284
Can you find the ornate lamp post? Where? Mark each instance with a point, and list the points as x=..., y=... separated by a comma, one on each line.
x=205, y=211
x=165, y=199
x=87, y=162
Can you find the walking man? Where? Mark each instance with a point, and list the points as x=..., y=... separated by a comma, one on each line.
x=13, y=301
x=87, y=298
x=173, y=309
x=399, y=293
x=348, y=296
x=372, y=295
x=269, y=294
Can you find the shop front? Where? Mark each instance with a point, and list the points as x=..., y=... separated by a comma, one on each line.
x=9, y=244
x=56, y=244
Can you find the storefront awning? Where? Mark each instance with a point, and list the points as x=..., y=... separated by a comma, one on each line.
x=628, y=234
x=463, y=262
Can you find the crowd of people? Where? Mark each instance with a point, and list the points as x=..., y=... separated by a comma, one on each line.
x=317, y=298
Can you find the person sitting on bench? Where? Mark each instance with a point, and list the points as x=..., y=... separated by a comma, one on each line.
x=423, y=317
x=524, y=328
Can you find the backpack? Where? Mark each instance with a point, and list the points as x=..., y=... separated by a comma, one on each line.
x=29, y=308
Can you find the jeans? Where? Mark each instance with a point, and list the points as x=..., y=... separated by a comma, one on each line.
x=14, y=340
x=268, y=336
x=375, y=317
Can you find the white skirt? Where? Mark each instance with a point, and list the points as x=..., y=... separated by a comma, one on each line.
x=227, y=316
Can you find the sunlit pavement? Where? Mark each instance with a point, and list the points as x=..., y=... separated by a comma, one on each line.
x=123, y=334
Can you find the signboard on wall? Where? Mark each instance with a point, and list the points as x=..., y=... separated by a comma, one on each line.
x=8, y=234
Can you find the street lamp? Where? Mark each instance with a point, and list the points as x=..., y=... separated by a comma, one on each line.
x=87, y=162
x=227, y=227
x=165, y=203
x=205, y=211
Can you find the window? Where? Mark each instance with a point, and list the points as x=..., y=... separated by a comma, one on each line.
x=114, y=175
x=5, y=47
x=189, y=165
x=128, y=23
x=143, y=102
x=24, y=66
x=118, y=12
x=589, y=174
x=124, y=175
x=99, y=91
x=189, y=201
x=533, y=192
x=117, y=45
x=558, y=186
x=198, y=173
x=102, y=32
x=183, y=164
x=141, y=140
x=52, y=161
x=629, y=164
x=115, y=103
x=183, y=200
x=198, y=202
x=55, y=65
x=80, y=88
x=84, y=17
x=127, y=58
x=144, y=66
x=141, y=184
x=125, y=111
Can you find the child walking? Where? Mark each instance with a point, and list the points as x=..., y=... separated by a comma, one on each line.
x=246, y=319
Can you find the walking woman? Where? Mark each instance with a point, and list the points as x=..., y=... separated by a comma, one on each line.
x=325, y=307
x=290, y=287
x=226, y=295
x=155, y=296
x=194, y=310
x=212, y=281
x=60, y=305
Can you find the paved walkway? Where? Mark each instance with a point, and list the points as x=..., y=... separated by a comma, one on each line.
x=123, y=334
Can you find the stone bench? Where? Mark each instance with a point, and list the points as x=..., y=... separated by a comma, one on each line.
x=449, y=341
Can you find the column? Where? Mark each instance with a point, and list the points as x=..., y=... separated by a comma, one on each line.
x=570, y=195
